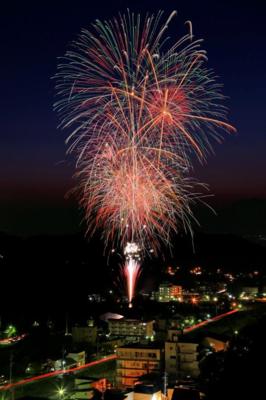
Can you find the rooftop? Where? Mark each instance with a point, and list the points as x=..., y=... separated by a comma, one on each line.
x=150, y=345
x=185, y=394
x=130, y=320
x=147, y=389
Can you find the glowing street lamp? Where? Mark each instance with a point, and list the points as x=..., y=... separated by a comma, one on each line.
x=61, y=391
x=215, y=299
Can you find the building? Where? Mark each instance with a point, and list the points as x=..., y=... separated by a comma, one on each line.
x=175, y=322
x=161, y=326
x=183, y=393
x=131, y=328
x=134, y=361
x=168, y=292
x=84, y=334
x=176, y=293
x=249, y=292
x=85, y=388
x=145, y=392
x=80, y=358
x=181, y=357
x=96, y=298
x=216, y=342
x=109, y=345
x=164, y=292
x=191, y=297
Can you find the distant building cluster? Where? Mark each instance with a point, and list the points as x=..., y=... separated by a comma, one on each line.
x=159, y=357
x=168, y=292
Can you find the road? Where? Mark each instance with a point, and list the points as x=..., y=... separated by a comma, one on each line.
x=12, y=340
x=209, y=321
x=56, y=373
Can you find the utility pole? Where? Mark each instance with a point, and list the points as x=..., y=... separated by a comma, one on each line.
x=10, y=366
x=63, y=365
x=10, y=374
x=103, y=391
x=165, y=385
x=66, y=331
x=97, y=346
x=178, y=362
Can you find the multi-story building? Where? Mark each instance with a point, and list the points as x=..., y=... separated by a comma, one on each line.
x=181, y=358
x=147, y=392
x=110, y=344
x=216, y=342
x=164, y=292
x=168, y=292
x=249, y=292
x=176, y=292
x=132, y=328
x=133, y=361
x=84, y=334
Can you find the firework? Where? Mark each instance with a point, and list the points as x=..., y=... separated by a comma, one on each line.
x=131, y=271
x=140, y=111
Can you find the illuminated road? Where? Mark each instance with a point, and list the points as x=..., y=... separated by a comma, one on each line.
x=12, y=340
x=56, y=373
x=208, y=321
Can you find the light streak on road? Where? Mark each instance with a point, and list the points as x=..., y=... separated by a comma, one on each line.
x=208, y=321
x=56, y=373
x=12, y=340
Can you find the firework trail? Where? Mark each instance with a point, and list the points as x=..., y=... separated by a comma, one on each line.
x=131, y=271
x=140, y=112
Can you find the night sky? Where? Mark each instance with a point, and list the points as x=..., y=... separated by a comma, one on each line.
x=34, y=171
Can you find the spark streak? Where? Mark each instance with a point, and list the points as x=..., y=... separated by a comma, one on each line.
x=132, y=272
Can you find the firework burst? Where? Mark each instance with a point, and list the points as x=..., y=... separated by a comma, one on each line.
x=139, y=111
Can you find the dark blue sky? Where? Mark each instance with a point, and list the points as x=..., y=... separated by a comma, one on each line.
x=34, y=173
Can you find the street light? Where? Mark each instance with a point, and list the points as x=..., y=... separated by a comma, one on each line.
x=61, y=391
x=215, y=299
x=194, y=300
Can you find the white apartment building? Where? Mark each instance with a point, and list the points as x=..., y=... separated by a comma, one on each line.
x=131, y=327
